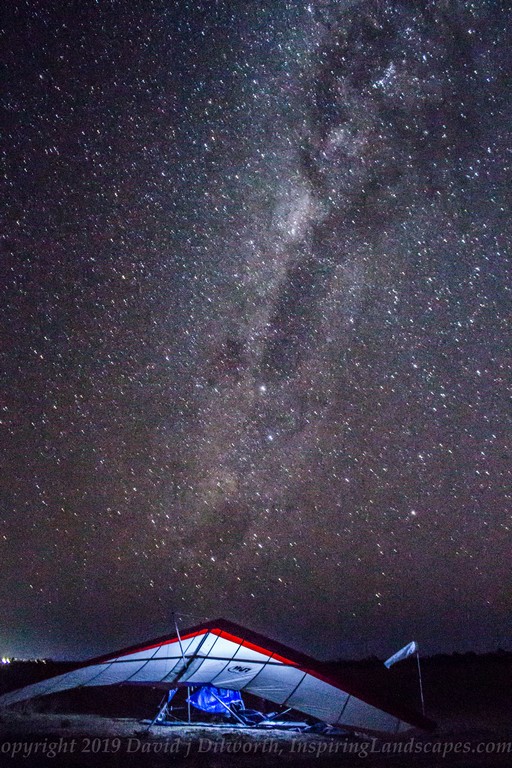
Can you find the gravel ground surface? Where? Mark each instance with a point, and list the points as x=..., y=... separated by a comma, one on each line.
x=70, y=741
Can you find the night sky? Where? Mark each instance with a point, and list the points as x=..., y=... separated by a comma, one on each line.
x=255, y=306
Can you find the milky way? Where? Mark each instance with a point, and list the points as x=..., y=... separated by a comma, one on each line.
x=255, y=349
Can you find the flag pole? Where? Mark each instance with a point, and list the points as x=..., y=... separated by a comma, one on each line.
x=421, y=682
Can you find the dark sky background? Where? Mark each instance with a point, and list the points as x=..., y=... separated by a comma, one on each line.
x=255, y=351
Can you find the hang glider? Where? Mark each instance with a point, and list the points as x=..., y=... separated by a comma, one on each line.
x=226, y=655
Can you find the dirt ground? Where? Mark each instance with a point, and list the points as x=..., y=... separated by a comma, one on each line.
x=89, y=741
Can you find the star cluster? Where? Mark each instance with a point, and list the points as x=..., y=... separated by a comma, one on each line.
x=255, y=310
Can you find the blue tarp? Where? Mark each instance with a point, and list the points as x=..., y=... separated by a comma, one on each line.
x=208, y=699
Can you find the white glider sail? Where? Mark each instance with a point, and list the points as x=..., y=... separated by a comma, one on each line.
x=226, y=655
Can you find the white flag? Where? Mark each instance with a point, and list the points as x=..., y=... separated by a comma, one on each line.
x=403, y=653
